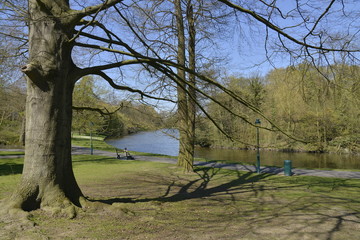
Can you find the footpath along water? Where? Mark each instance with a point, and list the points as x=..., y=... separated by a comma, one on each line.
x=165, y=142
x=238, y=167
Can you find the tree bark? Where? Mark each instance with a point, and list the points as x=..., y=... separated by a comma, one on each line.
x=192, y=79
x=48, y=179
x=185, y=158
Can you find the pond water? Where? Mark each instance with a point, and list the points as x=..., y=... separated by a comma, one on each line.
x=161, y=142
x=165, y=142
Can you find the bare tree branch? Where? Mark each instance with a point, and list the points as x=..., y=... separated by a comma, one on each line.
x=126, y=88
x=237, y=98
x=318, y=20
x=106, y=113
x=96, y=69
x=280, y=31
x=76, y=16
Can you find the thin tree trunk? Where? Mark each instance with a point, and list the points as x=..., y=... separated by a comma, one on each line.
x=192, y=83
x=184, y=160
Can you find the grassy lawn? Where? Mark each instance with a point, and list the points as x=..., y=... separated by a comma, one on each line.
x=147, y=200
x=98, y=142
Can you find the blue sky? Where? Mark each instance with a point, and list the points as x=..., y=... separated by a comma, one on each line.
x=244, y=45
x=248, y=53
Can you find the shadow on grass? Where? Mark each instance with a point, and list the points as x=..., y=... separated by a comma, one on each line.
x=12, y=154
x=10, y=168
x=312, y=207
x=318, y=217
x=198, y=188
x=102, y=160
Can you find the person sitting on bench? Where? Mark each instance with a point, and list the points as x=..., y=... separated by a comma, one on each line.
x=127, y=154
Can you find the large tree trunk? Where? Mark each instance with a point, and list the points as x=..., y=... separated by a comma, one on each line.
x=48, y=179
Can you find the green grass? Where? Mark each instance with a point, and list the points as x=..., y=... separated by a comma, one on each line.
x=11, y=166
x=97, y=142
x=10, y=170
x=96, y=137
x=147, y=200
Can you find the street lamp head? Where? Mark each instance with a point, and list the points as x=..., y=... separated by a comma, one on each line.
x=257, y=121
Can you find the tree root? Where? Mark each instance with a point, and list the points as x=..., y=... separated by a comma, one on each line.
x=12, y=210
x=14, y=219
x=62, y=208
x=92, y=206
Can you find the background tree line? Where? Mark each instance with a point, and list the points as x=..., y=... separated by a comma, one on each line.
x=12, y=113
x=320, y=109
x=319, y=106
x=93, y=112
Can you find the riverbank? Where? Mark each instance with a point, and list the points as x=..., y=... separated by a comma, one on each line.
x=99, y=144
x=108, y=150
x=289, y=150
x=236, y=167
x=161, y=143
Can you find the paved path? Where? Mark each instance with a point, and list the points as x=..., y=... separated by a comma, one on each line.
x=12, y=155
x=240, y=167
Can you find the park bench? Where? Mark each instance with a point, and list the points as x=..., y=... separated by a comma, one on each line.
x=127, y=155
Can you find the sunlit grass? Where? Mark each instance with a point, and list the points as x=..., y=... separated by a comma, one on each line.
x=157, y=201
x=97, y=142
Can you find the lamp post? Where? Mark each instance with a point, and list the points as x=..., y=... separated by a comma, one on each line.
x=91, y=143
x=257, y=123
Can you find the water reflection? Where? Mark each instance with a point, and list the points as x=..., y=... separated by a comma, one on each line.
x=273, y=158
x=165, y=142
